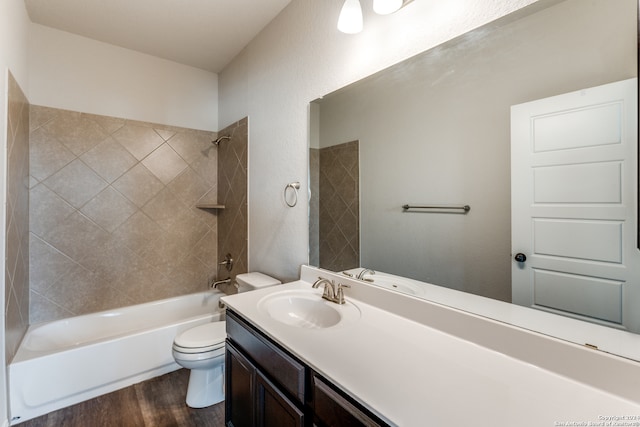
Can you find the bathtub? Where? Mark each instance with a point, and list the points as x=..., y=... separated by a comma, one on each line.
x=67, y=361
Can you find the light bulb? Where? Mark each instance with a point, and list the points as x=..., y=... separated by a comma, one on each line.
x=386, y=7
x=350, y=20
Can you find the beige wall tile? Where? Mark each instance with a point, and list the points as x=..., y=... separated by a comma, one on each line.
x=16, y=272
x=109, y=159
x=76, y=183
x=76, y=132
x=106, y=231
x=109, y=209
x=338, y=214
x=47, y=264
x=137, y=233
x=109, y=262
x=108, y=124
x=205, y=247
x=165, y=133
x=232, y=193
x=165, y=163
x=39, y=115
x=139, y=140
x=192, y=146
x=75, y=235
x=189, y=187
x=138, y=185
x=46, y=154
x=47, y=209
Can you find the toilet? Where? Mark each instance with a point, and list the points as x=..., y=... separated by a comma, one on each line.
x=201, y=349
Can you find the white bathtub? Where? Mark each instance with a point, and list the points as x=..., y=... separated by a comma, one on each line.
x=67, y=361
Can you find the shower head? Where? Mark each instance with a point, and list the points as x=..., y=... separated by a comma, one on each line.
x=218, y=140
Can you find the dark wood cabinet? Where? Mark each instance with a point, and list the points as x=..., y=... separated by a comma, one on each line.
x=331, y=408
x=273, y=408
x=253, y=400
x=267, y=386
x=240, y=376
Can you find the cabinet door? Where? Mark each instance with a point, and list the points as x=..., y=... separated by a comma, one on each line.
x=287, y=372
x=273, y=408
x=240, y=377
x=333, y=409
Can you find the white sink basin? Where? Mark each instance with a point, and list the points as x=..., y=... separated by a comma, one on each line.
x=307, y=309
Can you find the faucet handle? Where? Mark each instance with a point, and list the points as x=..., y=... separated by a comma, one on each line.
x=329, y=290
x=340, y=293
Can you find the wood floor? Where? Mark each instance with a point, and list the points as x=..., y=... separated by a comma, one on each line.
x=158, y=402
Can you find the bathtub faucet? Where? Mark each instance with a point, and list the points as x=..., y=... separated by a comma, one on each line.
x=216, y=283
x=363, y=272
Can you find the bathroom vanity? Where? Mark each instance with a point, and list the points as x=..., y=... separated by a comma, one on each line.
x=268, y=384
x=385, y=358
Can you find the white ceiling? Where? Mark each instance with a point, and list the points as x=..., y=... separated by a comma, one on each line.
x=205, y=34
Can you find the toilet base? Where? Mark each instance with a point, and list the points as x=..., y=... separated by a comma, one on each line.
x=206, y=387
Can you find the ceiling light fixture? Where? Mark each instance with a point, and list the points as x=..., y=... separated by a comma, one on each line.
x=350, y=20
x=386, y=7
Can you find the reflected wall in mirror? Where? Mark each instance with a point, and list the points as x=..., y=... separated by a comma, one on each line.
x=435, y=129
x=334, y=178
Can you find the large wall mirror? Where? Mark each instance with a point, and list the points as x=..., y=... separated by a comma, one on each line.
x=436, y=130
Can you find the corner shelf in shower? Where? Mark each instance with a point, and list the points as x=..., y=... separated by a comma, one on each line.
x=209, y=206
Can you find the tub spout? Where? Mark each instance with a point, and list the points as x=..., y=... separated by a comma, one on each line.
x=363, y=272
x=215, y=284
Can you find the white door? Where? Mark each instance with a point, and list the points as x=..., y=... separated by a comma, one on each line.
x=574, y=205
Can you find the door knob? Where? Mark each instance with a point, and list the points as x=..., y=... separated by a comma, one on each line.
x=520, y=257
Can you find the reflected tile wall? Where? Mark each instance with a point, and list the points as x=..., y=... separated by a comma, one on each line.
x=17, y=225
x=113, y=220
x=339, y=208
x=314, y=206
x=232, y=193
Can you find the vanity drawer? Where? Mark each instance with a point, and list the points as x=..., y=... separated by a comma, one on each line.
x=275, y=362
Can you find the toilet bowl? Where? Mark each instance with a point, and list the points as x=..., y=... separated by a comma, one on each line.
x=201, y=349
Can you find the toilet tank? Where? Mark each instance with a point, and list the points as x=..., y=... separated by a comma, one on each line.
x=255, y=280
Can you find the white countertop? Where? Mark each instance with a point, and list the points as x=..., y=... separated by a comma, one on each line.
x=412, y=374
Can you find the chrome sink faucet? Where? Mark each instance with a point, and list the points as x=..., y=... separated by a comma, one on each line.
x=363, y=272
x=331, y=293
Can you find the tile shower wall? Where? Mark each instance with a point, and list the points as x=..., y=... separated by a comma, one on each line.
x=17, y=226
x=232, y=193
x=339, y=207
x=113, y=217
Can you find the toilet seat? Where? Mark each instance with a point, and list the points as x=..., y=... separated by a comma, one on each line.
x=201, y=339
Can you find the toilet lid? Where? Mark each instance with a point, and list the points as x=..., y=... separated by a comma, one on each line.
x=203, y=336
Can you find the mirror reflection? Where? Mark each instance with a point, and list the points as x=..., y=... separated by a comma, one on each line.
x=436, y=130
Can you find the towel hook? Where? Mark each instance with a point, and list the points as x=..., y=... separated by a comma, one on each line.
x=295, y=186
